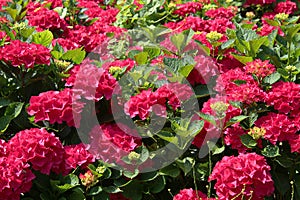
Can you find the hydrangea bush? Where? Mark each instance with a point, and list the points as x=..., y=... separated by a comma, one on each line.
x=141, y=99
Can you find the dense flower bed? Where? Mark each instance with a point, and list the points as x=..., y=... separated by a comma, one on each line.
x=165, y=99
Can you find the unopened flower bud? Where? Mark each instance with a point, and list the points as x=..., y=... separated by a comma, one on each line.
x=281, y=16
x=213, y=36
x=133, y=156
x=256, y=132
x=290, y=68
x=115, y=69
x=88, y=179
x=250, y=15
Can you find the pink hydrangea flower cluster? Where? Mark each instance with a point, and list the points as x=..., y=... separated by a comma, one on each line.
x=278, y=127
x=22, y=53
x=232, y=138
x=259, y=2
x=187, y=8
x=260, y=68
x=204, y=69
x=42, y=149
x=285, y=97
x=56, y=107
x=220, y=13
x=147, y=101
x=91, y=82
x=239, y=86
x=39, y=150
x=190, y=194
x=110, y=143
x=287, y=7
x=43, y=18
x=246, y=175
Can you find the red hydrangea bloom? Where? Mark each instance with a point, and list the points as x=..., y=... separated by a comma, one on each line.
x=187, y=8
x=287, y=7
x=110, y=143
x=259, y=2
x=55, y=107
x=295, y=143
x=91, y=82
x=22, y=53
x=147, y=101
x=16, y=178
x=210, y=131
x=278, y=127
x=3, y=148
x=128, y=63
x=239, y=86
x=204, y=69
x=40, y=148
x=44, y=18
x=285, y=97
x=197, y=24
x=260, y=68
x=142, y=104
x=220, y=13
x=95, y=11
x=232, y=138
x=65, y=43
x=267, y=29
x=246, y=175
x=77, y=155
x=190, y=194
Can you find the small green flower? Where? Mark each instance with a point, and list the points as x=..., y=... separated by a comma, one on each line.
x=213, y=36
x=115, y=69
x=290, y=68
x=250, y=15
x=281, y=16
x=62, y=64
x=256, y=132
x=220, y=108
x=134, y=156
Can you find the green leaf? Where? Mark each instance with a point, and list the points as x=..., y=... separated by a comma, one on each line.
x=77, y=194
x=272, y=22
x=4, y=123
x=141, y=58
x=243, y=59
x=75, y=55
x=291, y=31
x=201, y=91
x=12, y=12
x=273, y=78
x=94, y=190
x=207, y=117
x=112, y=189
x=270, y=151
x=248, y=141
x=27, y=32
x=272, y=38
x=11, y=112
x=178, y=40
x=281, y=182
x=214, y=148
x=8, y=31
x=130, y=174
x=44, y=38
x=4, y=102
x=56, y=54
x=168, y=136
x=227, y=44
x=134, y=190
x=186, y=164
x=284, y=161
x=157, y=185
x=256, y=44
x=170, y=170
x=186, y=70
x=152, y=51
x=148, y=176
x=240, y=82
x=236, y=119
